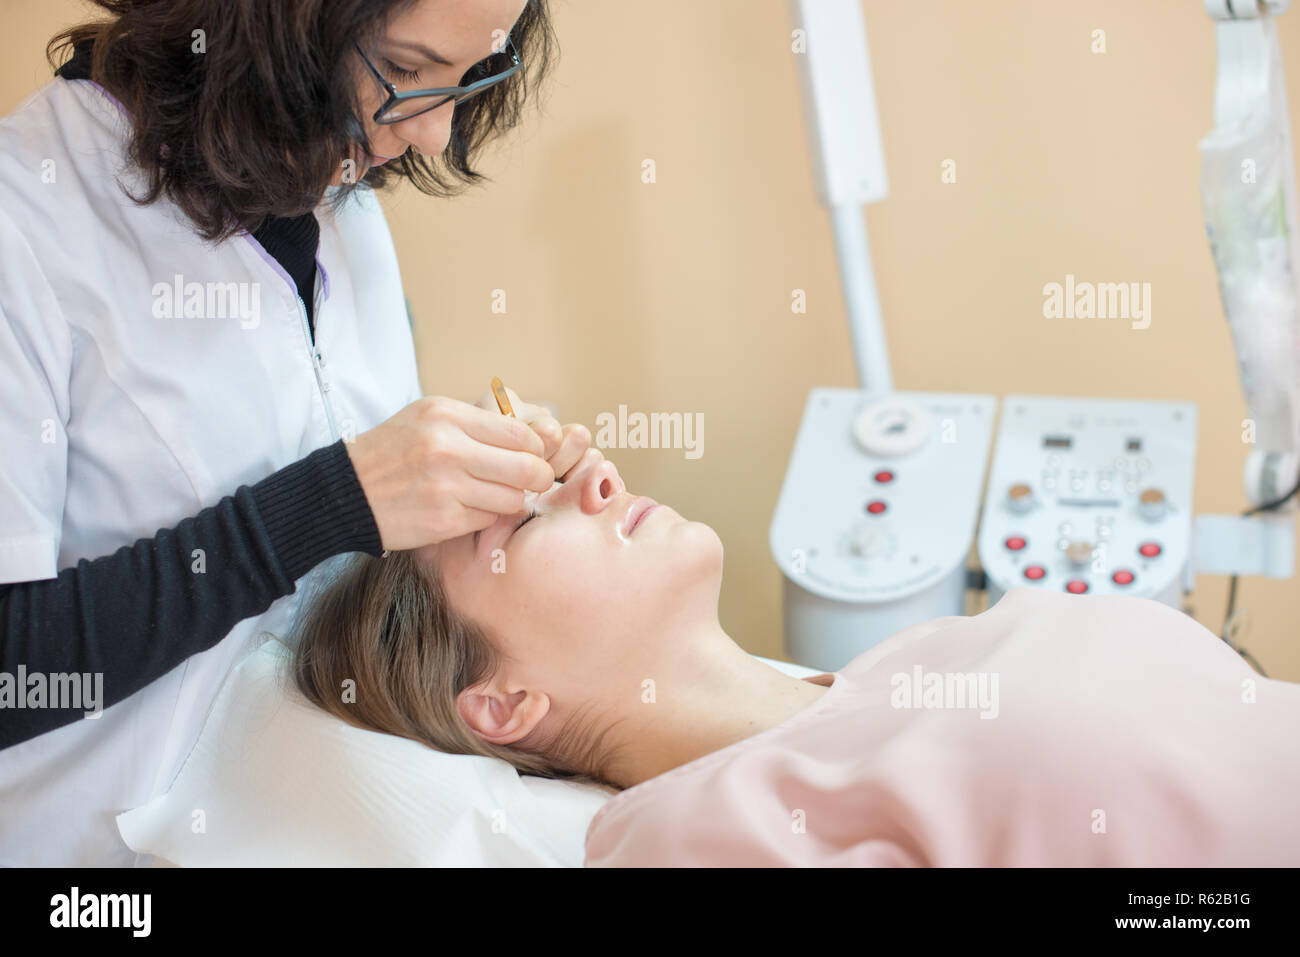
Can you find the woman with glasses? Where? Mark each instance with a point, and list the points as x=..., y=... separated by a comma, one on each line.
x=209, y=384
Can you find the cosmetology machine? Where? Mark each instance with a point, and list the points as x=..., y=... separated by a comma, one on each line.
x=883, y=492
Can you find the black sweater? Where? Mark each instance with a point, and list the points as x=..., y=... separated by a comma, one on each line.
x=138, y=613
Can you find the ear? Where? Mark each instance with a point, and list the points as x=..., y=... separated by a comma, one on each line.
x=502, y=717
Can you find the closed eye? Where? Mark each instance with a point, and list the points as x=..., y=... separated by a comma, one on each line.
x=397, y=74
x=531, y=515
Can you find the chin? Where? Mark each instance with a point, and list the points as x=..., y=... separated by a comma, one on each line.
x=684, y=577
x=700, y=549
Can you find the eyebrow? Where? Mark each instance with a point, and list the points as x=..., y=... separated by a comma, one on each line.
x=422, y=49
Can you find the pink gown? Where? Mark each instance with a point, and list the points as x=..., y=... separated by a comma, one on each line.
x=1050, y=730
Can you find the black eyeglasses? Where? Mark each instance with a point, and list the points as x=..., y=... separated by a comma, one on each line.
x=402, y=105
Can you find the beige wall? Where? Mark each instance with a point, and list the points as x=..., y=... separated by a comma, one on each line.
x=675, y=296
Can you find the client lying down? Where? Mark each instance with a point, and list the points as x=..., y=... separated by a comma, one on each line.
x=582, y=640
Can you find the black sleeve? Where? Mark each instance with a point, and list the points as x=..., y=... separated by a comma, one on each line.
x=136, y=614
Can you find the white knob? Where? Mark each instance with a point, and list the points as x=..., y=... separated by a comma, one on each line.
x=1152, y=505
x=1020, y=498
x=1079, y=553
x=867, y=541
x=891, y=426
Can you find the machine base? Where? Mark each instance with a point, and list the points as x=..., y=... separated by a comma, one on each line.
x=828, y=634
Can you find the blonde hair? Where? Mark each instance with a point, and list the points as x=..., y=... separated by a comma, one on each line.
x=386, y=625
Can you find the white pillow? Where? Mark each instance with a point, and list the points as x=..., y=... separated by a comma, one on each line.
x=275, y=781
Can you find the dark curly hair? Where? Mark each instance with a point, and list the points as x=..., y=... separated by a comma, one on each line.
x=259, y=123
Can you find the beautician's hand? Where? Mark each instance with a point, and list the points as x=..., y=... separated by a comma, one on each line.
x=564, y=447
x=441, y=468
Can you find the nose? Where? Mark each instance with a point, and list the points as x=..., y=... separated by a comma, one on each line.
x=429, y=132
x=598, y=485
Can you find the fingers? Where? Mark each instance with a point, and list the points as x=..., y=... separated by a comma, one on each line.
x=493, y=428
x=489, y=402
x=541, y=420
x=563, y=447
x=485, y=502
x=575, y=443
x=524, y=411
x=548, y=429
x=537, y=416
x=515, y=470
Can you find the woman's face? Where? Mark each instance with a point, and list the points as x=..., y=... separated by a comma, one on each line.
x=461, y=32
x=583, y=595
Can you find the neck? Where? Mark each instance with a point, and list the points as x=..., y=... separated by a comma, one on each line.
x=707, y=693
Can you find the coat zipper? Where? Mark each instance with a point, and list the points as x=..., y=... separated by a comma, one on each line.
x=318, y=357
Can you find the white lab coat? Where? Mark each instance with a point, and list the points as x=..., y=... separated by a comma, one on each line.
x=116, y=421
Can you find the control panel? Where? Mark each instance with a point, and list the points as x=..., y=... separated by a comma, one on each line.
x=881, y=495
x=876, y=516
x=1090, y=496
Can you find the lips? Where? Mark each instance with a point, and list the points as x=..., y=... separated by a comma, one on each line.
x=637, y=513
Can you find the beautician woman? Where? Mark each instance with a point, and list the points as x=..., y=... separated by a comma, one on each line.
x=205, y=350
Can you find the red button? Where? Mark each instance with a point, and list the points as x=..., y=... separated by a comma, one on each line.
x=875, y=508
x=1035, y=572
x=884, y=476
x=1122, y=577
x=1015, y=543
x=1149, y=549
x=1076, y=586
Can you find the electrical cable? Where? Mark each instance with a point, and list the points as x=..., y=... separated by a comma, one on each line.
x=1230, y=613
